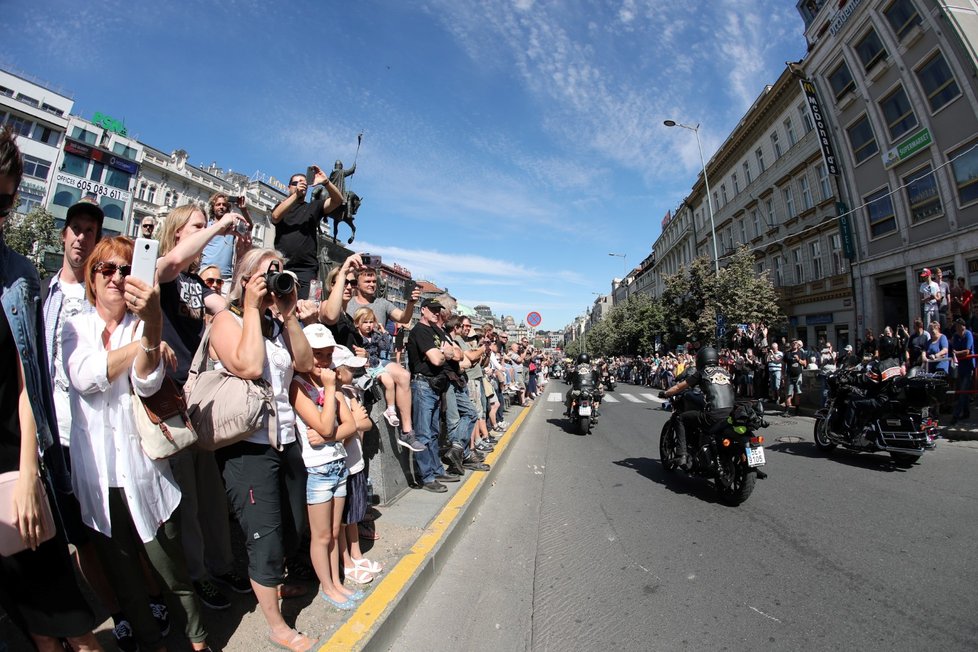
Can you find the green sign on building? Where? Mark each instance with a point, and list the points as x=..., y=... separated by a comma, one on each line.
x=907, y=148
x=845, y=230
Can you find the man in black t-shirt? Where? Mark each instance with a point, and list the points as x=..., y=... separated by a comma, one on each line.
x=917, y=344
x=297, y=225
x=428, y=351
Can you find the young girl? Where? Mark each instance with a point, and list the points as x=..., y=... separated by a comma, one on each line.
x=325, y=422
x=355, y=566
x=376, y=342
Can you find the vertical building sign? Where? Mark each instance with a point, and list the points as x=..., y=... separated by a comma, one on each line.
x=828, y=155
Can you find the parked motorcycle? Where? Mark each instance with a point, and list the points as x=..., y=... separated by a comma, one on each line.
x=905, y=426
x=729, y=453
x=583, y=411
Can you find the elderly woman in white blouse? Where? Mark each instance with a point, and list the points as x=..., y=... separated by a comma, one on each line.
x=127, y=499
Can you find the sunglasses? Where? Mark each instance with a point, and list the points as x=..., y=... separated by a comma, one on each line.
x=6, y=204
x=214, y=282
x=148, y=226
x=108, y=270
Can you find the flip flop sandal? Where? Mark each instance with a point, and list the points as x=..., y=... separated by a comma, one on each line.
x=298, y=643
x=358, y=575
x=371, y=567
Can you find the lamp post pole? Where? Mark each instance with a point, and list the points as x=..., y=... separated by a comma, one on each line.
x=706, y=182
x=624, y=265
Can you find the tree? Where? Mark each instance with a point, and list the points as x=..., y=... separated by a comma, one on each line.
x=33, y=235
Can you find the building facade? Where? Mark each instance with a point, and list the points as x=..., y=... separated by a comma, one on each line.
x=897, y=81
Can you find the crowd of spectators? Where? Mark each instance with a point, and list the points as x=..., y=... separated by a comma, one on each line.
x=92, y=339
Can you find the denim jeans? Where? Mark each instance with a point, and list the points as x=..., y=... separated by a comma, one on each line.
x=425, y=405
x=460, y=416
x=775, y=378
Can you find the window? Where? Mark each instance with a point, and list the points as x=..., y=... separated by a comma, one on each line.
x=96, y=172
x=799, y=265
x=36, y=167
x=775, y=145
x=778, y=267
x=756, y=219
x=117, y=179
x=862, y=140
x=27, y=100
x=823, y=181
x=716, y=201
x=806, y=194
x=937, y=81
x=747, y=172
x=52, y=109
x=6, y=91
x=870, y=49
x=78, y=133
x=21, y=126
x=902, y=16
x=45, y=135
x=743, y=231
x=151, y=197
x=815, y=247
x=922, y=195
x=806, y=117
x=66, y=195
x=124, y=150
x=736, y=185
x=723, y=193
x=838, y=255
x=898, y=113
x=789, y=130
x=771, y=218
x=759, y=155
x=964, y=162
x=789, y=202
x=841, y=81
x=74, y=164
x=113, y=208
x=142, y=191
x=879, y=211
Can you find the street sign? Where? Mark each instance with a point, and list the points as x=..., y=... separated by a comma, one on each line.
x=533, y=319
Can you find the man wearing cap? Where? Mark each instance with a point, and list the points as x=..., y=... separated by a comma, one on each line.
x=427, y=353
x=930, y=297
x=943, y=300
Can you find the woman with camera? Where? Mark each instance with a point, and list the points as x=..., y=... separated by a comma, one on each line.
x=259, y=336
x=186, y=300
x=128, y=500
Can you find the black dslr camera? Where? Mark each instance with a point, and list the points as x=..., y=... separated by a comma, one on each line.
x=278, y=282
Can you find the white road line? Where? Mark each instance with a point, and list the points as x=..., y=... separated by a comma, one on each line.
x=608, y=398
x=633, y=399
x=653, y=397
x=554, y=397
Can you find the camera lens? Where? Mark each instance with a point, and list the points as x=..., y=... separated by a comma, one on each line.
x=280, y=283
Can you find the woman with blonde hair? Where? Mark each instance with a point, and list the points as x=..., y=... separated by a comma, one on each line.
x=259, y=336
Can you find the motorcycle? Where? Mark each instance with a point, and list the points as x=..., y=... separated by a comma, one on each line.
x=905, y=426
x=583, y=411
x=610, y=383
x=729, y=452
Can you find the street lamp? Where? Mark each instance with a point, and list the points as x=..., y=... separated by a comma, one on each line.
x=706, y=182
x=624, y=265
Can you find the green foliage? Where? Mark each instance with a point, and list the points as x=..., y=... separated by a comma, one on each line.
x=687, y=310
x=32, y=235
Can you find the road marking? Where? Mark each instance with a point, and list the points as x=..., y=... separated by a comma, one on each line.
x=653, y=397
x=633, y=399
x=351, y=634
x=608, y=398
x=554, y=397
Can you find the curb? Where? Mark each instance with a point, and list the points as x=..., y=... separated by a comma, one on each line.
x=377, y=622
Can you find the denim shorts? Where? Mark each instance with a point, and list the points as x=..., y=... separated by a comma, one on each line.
x=794, y=386
x=326, y=482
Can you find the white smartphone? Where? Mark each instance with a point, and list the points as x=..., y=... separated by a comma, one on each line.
x=144, y=259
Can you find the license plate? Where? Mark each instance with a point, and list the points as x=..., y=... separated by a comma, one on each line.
x=584, y=410
x=755, y=456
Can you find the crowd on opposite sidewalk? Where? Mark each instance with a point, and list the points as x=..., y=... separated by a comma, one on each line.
x=772, y=370
x=95, y=341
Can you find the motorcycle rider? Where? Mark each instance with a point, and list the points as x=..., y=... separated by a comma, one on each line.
x=581, y=375
x=877, y=380
x=718, y=392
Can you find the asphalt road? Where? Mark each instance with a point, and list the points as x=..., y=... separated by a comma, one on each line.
x=585, y=543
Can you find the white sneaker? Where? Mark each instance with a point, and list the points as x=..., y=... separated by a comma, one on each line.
x=391, y=415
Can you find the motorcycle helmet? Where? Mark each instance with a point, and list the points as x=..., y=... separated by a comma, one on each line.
x=583, y=358
x=707, y=357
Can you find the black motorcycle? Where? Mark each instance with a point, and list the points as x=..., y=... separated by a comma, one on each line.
x=905, y=426
x=609, y=382
x=729, y=453
x=582, y=411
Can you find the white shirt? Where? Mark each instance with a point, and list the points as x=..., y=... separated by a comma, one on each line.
x=928, y=290
x=72, y=303
x=316, y=455
x=105, y=449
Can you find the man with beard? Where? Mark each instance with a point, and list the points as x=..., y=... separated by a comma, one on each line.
x=222, y=249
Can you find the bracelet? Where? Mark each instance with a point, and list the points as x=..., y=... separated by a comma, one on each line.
x=149, y=349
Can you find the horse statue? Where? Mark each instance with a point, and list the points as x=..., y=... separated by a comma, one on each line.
x=351, y=201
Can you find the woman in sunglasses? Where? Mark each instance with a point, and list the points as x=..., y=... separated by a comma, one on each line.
x=186, y=299
x=122, y=492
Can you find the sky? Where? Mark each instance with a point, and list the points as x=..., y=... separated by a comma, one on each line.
x=509, y=146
